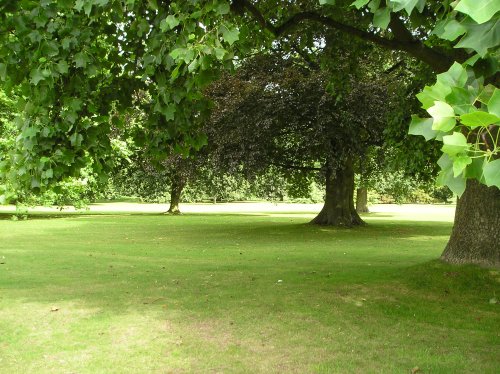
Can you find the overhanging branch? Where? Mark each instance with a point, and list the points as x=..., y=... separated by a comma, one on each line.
x=402, y=41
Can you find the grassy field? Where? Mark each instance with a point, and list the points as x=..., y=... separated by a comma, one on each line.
x=227, y=293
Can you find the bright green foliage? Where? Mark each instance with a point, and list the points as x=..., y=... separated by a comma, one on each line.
x=464, y=111
x=75, y=63
x=491, y=173
x=479, y=11
x=464, y=117
x=422, y=126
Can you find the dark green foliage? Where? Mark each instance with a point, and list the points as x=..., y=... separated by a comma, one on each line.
x=275, y=112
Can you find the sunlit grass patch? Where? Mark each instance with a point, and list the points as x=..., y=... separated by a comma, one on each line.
x=239, y=293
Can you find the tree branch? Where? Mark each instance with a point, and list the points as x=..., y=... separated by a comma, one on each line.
x=403, y=39
x=393, y=67
x=313, y=65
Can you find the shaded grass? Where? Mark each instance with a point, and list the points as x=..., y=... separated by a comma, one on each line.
x=233, y=293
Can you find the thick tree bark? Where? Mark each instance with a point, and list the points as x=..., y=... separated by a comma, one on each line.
x=338, y=209
x=175, y=196
x=362, y=200
x=476, y=233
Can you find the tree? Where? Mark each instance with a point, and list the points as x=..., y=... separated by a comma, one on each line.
x=156, y=181
x=8, y=134
x=70, y=79
x=277, y=112
x=470, y=28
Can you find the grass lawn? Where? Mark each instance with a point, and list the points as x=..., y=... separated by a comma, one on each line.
x=226, y=293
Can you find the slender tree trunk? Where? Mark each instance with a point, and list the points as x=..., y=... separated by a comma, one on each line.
x=175, y=195
x=339, y=203
x=476, y=233
x=362, y=200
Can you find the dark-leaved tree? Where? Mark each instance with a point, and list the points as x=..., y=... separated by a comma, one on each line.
x=277, y=111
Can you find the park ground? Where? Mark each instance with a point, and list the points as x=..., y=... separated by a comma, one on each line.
x=240, y=288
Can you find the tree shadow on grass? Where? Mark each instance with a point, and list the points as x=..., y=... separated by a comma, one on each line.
x=375, y=229
x=126, y=263
x=14, y=216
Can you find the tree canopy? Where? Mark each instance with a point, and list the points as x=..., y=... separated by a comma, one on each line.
x=73, y=63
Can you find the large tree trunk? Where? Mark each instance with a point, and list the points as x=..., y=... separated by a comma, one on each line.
x=476, y=233
x=175, y=195
x=362, y=200
x=339, y=203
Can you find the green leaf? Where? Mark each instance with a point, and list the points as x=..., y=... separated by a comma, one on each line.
x=79, y=5
x=374, y=5
x=430, y=94
x=193, y=65
x=169, y=23
x=455, y=184
x=3, y=71
x=81, y=60
x=65, y=4
x=360, y=3
x=446, y=177
x=220, y=53
x=493, y=103
x=50, y=48
x=486, y=94
x=49, y=173
x=222, y=8
x=175, y=72
x=230, y=35
x=184, y=54
x=479, y=11
x=169, y=112
x=455, y=144
x=407, y=5
x=153, y=4
x=472, y=60
x=87, y=7
x=66, y=43
x=37, y=75
x=445, y=162
x=461, y=100
x=76, y=139
x=456, y=76
x=382, y=17
x=101, y=3
x=491, y=172
x=478, y=118
x=62, y=67
x=460, y=163
x=30, y=132
x=475, y=169
x=74, y=103
x=481, y=37
x=444, y=116
x=35, y=183
x=451, y=30
x=422, y=126
x=327, y=2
